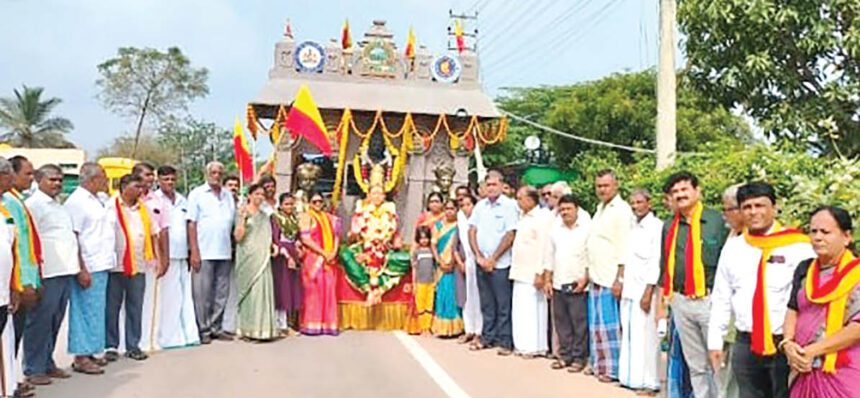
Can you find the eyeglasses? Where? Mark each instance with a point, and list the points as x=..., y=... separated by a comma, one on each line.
x=317, y=201
x=545, y=194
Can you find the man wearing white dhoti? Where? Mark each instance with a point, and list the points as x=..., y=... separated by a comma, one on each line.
x=161, y=221
x=529, y=308
x=637, y=368
x=472, y=318
x=178, y=325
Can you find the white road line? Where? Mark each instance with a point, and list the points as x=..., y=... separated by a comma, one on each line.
x=442, y=379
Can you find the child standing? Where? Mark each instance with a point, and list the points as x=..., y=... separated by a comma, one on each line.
x=423, y=281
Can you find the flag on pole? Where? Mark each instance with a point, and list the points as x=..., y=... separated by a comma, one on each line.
x=410, y=44
x=244, y=161
x=288, y=30
x=345, y=38
x=458, y=34
x=304, y=119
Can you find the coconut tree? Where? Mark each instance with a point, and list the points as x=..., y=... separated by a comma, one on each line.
x=26, y=121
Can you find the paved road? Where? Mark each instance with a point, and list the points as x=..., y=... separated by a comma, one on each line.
x=355, y=364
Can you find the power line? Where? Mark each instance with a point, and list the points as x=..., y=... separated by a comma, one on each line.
x=532, y=39
x=501, y=28
x=525, y=18
x=576, y=137
x=568, y=38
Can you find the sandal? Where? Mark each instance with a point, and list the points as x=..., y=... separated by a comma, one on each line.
x=575, y=368
x=557, y=365
x=478, y=346
x=98, y=361
x=87, y=367
x=604, y=379
x=465, y=338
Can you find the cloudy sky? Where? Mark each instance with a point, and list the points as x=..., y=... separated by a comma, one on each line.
x=56, y=44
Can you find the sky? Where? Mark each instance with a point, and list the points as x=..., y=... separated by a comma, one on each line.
x=56, y=44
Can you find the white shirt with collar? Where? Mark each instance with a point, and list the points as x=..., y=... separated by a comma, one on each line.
x=566, y=255
x=177, y=226
x=57, y=234
x=94, y=226
x=607, y=240
x=527, y=252
x=735, y=283
x=642, y=261
x=214, y=215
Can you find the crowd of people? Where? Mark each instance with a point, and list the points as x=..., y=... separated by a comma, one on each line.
x=749, y=307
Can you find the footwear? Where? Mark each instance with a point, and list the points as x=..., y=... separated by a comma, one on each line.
x=557, y=365
x=465, y=338
x=223, y=336
x=99, y=361
x=478, y=346
x=505, y=352
x=646, y=393
x=575, y=368
x=588, y=371
x=604, y=379
x=58, y=373
x=39, y=380
x=24, y=394
x=205, y=339
x=111, y=355
x=87, y=366
x=137, y=355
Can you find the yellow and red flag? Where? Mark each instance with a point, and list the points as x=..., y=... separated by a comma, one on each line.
x=244, y=160
x=410, y=44
x=458, y=34
x=304, y=119
x=345, y=37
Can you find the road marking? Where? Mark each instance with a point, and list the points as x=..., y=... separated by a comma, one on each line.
x=442, y=379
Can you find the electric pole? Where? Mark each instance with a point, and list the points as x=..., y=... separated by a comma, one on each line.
x=666, y=90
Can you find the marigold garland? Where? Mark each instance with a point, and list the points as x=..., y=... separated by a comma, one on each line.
x=476, y=133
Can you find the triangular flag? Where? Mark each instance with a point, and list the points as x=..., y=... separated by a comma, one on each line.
x=458, y=34
x=410, y=44
x=345, y=37
x=304, y=119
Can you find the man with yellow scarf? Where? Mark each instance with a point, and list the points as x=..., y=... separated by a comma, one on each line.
x=691, y=245
x=753, y=283
x=135, y=249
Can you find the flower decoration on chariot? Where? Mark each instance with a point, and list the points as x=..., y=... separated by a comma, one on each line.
x=371, y=173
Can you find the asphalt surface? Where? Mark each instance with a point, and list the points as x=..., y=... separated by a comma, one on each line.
x=355, y=364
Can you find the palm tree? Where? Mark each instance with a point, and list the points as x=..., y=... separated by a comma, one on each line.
x=26, y=121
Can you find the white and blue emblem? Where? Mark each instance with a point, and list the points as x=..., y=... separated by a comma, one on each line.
x=310, y=57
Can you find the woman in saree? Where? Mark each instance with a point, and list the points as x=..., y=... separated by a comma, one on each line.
x=285, y=263
x=822, y=325
x=433, y=213
x=319, y=237
x=255, y=287
x=447, y=321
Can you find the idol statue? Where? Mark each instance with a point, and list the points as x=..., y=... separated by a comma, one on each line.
x=374, y=262
x=444, y=179
x=307, y=175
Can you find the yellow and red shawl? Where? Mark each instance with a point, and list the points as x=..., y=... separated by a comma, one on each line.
x=129, y=262
x=834, y=294
x=694, y=283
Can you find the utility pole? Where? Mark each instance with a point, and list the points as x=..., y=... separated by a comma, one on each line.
x=666, y=90
x=463, y=18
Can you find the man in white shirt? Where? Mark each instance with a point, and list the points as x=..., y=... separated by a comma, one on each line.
x=559, y=189
x=211, y=213
x=753, y=282
x=607, y=242
x=529, y=312
x=639, y=342
x=96, y=247
x=160, y=211
x=566, y=281
x=136, y=236
x=60, y=253
x=178, y=325
x=9, y=295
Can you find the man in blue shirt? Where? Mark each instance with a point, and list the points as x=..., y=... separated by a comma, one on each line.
x=491, y=233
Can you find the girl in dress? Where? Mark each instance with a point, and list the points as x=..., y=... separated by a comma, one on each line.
x=424, y=280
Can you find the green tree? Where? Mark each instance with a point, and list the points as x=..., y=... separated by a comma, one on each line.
x=792, y=65
x=622, y=109
x=26, y=121
x=147, y=148
x=196, y=143
x=149, y=86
